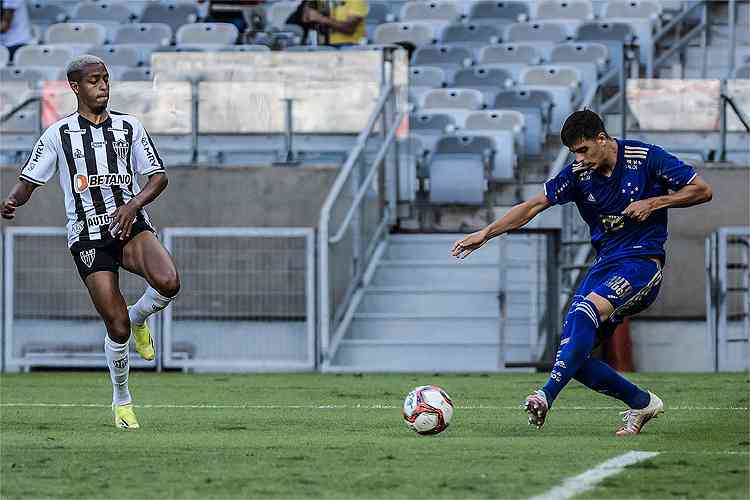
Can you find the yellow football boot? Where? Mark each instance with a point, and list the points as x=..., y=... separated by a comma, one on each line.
x=125, y=416
x=144, y=343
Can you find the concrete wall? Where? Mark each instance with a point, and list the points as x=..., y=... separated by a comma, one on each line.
x=208, y=197
x=683, y=291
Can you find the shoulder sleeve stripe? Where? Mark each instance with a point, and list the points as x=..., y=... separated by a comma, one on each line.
x=30, y=180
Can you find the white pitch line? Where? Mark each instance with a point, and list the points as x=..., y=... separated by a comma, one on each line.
x=589, y=479
x=250, y=406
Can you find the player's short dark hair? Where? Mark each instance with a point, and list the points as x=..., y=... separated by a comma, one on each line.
x=580, y=125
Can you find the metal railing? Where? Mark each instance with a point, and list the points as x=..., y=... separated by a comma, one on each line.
x=680, y=42
x=728, y=298
x=723, y=129
x=354, y=223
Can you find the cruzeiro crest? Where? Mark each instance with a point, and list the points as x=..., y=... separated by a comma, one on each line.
x=121, y=149
x=87, y=256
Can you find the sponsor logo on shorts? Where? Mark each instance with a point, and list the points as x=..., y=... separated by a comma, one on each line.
x=619, y=285
x=87, y=256
x=82, y=182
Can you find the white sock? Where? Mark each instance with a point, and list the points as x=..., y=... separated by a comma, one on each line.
x=150, y=303
x=117, y=361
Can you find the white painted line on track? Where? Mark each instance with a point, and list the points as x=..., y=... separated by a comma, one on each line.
x=583, y=482
x=260, y=406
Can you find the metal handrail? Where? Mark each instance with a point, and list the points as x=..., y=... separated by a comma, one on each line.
x=701, y=28
x=9, y=114
x=384, y=110
x=740, y=114
x=724, y=100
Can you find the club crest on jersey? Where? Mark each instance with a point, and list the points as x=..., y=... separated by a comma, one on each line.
x=121, y=149
x=77, y=226
x=83, y=182
x=87, y=256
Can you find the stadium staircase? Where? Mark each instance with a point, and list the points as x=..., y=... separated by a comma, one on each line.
x=423, y=311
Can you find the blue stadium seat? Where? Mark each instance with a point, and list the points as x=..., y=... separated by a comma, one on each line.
x=172, y=14
x=449, y=58
x=497, y=13
x=536, y=106
x=76, y=33
x=429, y=127
x=118, y=55
x=458, y=170
x=413, y=34
x=486, y=79
x=512, y=57
x=144, y=34
x=109, y=11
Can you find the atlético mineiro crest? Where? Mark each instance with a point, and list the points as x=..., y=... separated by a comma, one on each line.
x=121, y=149
x=87, y=256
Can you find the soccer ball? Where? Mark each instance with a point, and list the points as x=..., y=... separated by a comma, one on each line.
x=428, y=409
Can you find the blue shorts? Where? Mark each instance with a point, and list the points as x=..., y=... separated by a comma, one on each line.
x=630, y=284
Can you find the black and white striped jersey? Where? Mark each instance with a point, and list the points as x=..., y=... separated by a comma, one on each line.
x=97, y=166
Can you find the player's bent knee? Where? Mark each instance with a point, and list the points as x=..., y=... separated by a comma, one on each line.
x=169, y=285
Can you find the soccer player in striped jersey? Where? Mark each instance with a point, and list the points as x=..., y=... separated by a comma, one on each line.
x=98, y=154
x=622, y=189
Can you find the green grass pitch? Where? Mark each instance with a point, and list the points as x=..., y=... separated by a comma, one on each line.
x=342, y=436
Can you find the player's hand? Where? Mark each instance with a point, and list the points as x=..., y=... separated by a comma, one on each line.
x=8, y=210
x=122, y=220
x=474, y=241
x=639, y=210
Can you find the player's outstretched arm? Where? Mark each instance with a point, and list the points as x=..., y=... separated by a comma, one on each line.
x=18, y=196
x=123, y=217
x=695, y=193
x=518, y=216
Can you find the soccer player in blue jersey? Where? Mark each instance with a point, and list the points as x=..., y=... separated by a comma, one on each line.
x=622, y=189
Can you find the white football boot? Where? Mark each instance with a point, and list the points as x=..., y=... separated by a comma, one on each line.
x=634, y=420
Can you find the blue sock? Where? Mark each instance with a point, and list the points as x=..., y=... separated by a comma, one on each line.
x=600, y=377
x=579, y=334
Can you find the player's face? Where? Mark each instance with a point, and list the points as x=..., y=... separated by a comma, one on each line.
x=591, y=152
x=93, y=87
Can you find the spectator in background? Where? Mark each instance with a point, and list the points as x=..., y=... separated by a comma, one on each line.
x=233, y=11
x=15, y=27
x=342, y=21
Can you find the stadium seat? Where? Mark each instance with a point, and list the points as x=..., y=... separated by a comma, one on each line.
x=429, y=127
x=4, y=56
x=137, y=74
x=742, y=72
x=449, y=58
x=497, y=13
x=642, y=16
x=118, y=55
x=439, y=13
x=498, y=119
x=505, y=152
x=510, y=56
x=473, y=36
x=458, y=170
x=563, y=83
x=378, y=13
x=589, y=58
x=172, y=14
x=207, y=33
x=576, y=10
x=539, y=31
x=412, y=34
x=454, y=99
x=279, y=12
x=614, y=35
x=77, y=33
x=108, y=11
x=426, y=76
x=29, y=73
x=535, y=105
x=310, y=48
x=43, y=55
x=486, y=79
x=43, y=14
x=143, y=34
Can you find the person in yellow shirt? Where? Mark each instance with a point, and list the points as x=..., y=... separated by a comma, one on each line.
x=344, y=23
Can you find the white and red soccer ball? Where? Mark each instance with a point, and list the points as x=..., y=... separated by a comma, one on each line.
x=428, y=409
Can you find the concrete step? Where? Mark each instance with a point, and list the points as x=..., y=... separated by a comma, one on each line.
x=436, y=274
x=398, y=327
x=380, y=356
x=437, y=248
x=428, y=301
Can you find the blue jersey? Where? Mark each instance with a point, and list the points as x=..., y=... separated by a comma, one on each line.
x=642, y=171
